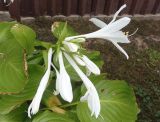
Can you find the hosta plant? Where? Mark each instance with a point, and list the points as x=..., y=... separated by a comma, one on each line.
x=62, y=82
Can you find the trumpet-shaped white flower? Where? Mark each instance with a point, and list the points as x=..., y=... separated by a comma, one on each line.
x=91, y=95
x=34, y=106
x=63, y=83
x=111, y=32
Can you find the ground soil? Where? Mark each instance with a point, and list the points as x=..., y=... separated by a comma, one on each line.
x=141, y=71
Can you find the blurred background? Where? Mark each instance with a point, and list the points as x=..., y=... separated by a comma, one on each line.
x=141, y=71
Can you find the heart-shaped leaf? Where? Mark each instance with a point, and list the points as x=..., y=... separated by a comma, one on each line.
x=13, y=66
x=10, y=102
x=17, y=115
x=118, y=103
x=48, y=116
x=25, y=36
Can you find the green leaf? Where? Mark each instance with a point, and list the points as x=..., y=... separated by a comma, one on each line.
x=61, y=30
x=73, y=115
x=97, y=78
x=118, y=103
x=48, y=116
x=45, y=45
x=10, y=102
x=17, y=115
x=25, y=36
x=35, y=58
x=13, y=75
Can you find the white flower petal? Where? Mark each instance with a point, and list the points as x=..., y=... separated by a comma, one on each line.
x=64, y=84
x=121, y=49
x=98, y=22
x=116, y=14
x=90, y=65
x=118, y=36
x=71, y=46
x=116, y=26
x=91, y=95
x=57, y=80
x=91, y=102
x=34, y=106
x=57, y=85
x=78, y=60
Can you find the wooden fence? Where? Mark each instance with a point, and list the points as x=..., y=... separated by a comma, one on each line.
x=78, y=7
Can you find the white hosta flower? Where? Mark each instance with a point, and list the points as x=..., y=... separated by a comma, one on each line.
x=34, y=106
x=63, y=83
x=111, y=32
x=91, y=95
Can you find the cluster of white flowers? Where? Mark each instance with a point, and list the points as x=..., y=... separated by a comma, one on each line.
x=70, y=51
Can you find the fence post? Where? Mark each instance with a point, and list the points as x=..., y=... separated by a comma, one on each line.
x=140, y=6
x=70, y=7
x=100, y=6
x=129, y=6
x=36, y=7
x=150, y=7
x=111, y=7
x=84, y=7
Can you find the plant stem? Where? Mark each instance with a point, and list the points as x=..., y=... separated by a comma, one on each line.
x=68, y=105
